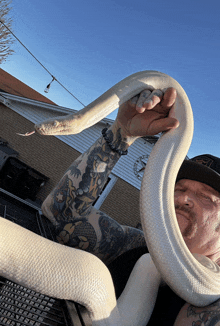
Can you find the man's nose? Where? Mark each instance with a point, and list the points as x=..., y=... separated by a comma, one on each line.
x=184, y=198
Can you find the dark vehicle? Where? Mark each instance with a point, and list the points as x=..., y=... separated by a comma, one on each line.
x=21, y=306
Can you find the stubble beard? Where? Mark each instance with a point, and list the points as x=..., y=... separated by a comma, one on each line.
x=191, y=228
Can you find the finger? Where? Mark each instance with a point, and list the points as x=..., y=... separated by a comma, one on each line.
x=134, y=100
x=152, y=100
x=169, y=97
x=163, y=125
x=144, y=96
x=155, y=98
x=172, y=112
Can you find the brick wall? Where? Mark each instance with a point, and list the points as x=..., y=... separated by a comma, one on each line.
x=122, y=204
x=48, y=155
x=52, y=157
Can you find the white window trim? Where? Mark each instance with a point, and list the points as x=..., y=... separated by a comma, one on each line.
x=107, y=190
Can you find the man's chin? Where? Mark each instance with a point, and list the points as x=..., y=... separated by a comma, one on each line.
x=187, y=227
x=182, y=221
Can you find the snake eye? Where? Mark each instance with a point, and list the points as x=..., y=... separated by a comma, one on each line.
x=55, y=123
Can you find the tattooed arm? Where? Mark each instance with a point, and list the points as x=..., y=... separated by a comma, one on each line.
x=194, y=316
x=69, y=206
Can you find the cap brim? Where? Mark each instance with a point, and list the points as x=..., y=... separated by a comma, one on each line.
x=199, y=172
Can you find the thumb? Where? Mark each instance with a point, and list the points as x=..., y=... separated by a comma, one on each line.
x=171, y=123
x=163, y=125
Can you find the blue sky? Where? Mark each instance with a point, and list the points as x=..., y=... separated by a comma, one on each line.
x=89, y=45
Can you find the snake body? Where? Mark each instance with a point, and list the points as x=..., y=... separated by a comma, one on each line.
x=73, y=274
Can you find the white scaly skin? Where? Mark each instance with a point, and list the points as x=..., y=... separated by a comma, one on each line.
x=196, y=282
x=84, y=278
x=137, y=301
x=57, y=271
x=72, y=274
x=105, y=104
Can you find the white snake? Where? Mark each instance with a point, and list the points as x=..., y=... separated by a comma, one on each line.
x=72, y=274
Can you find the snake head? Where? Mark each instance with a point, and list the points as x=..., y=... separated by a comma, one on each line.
x=48, y=127
x=63, y=125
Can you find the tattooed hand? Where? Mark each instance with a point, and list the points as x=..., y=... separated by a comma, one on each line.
x=148, y=113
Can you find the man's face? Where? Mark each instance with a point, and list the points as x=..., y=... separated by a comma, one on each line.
x=197, y=208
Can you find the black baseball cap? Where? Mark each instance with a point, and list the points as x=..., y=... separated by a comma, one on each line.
x=203, y=168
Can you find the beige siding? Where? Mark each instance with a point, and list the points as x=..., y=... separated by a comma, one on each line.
x=122, y=204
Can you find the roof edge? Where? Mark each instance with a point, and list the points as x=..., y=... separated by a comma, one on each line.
x=43, y=105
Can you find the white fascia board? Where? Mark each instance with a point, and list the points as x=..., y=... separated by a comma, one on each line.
x=42, y=105
x=9, y=101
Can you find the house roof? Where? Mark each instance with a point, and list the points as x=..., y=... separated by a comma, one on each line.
x=10, y=84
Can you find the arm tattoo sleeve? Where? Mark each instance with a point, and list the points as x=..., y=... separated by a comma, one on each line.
x=100, y=235
x=84, y=180
x=69, y=206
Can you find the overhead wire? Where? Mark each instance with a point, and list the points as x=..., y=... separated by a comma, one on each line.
x=54, y=78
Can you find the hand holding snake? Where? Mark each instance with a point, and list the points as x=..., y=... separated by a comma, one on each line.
x=148, y=113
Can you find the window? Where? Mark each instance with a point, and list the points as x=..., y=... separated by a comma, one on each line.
x=21, y=180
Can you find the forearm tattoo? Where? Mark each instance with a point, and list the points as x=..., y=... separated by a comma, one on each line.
x=112, y=239
x=84, y=180
x=77, y=234
x=70, y=204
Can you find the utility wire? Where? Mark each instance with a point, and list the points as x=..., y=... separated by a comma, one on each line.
x=54, y=78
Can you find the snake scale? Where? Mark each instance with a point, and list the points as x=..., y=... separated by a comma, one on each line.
x=72, y=274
